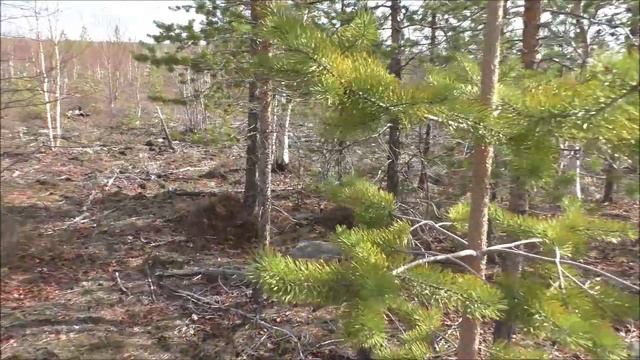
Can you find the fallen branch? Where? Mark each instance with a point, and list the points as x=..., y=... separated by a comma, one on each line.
x=165, y=130
x=124, y=289
x=76, y=220
x=177, y=192
x=212, y=274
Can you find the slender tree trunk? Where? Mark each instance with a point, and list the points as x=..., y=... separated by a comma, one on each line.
x=395, y=68
x=130, y=67
x=265, y=138
x=634, y=30
x=275, y=121
x=11, y=68
x=45, y=92
x=573, y=168
x=423, y=180
x=282, y=137
x=511, y=264
x=251, y=180
x=610, y=179
x=111, y=95
x=138, y=103
x=425, y=141
x=481, y=173
x=582, y=40
x=58, y=89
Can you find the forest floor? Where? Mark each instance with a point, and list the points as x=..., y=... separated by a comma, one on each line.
x=101, y=224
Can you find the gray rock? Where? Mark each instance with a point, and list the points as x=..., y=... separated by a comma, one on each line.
x=320, y=250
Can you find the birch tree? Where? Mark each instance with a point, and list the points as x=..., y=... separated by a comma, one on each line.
x=56, y=37
x=45, y=77
x=281, y=162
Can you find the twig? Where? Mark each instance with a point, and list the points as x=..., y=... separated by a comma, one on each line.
x=160, y=243
x=212, y=273
x=124, y=289
x=434, y=225
x=559, y=269
x=150, y=282
x=461, y=263
x=463, y=253
x=576, y=264
x=110, y=182
x=328, y=342
x=88, y=203
x=396, y=322
x=577, y=282
x=287, y=215
x=77, y=219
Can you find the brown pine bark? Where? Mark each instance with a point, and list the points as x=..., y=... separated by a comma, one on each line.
x=251, y=179
x=481, y=173
x=395, y=68
x=265, y=137
x=611, y=175
x=511, y=264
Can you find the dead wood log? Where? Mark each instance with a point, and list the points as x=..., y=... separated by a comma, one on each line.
x=165, y=130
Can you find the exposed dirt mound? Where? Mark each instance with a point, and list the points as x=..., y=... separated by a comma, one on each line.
x=337, y=215
x=221, y=219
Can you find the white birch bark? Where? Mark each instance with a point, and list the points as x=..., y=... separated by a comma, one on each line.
x=139, y=104
x=56, y=48
x=573, y=168
x=281, y=162
x=45, y=86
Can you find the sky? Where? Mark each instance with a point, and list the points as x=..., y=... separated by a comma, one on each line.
x=135, y=18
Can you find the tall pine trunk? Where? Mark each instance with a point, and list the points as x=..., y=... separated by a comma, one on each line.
x=251, y=171
x=265, y=137
x=481, y=174
x=395, y=68
x=518, y=193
